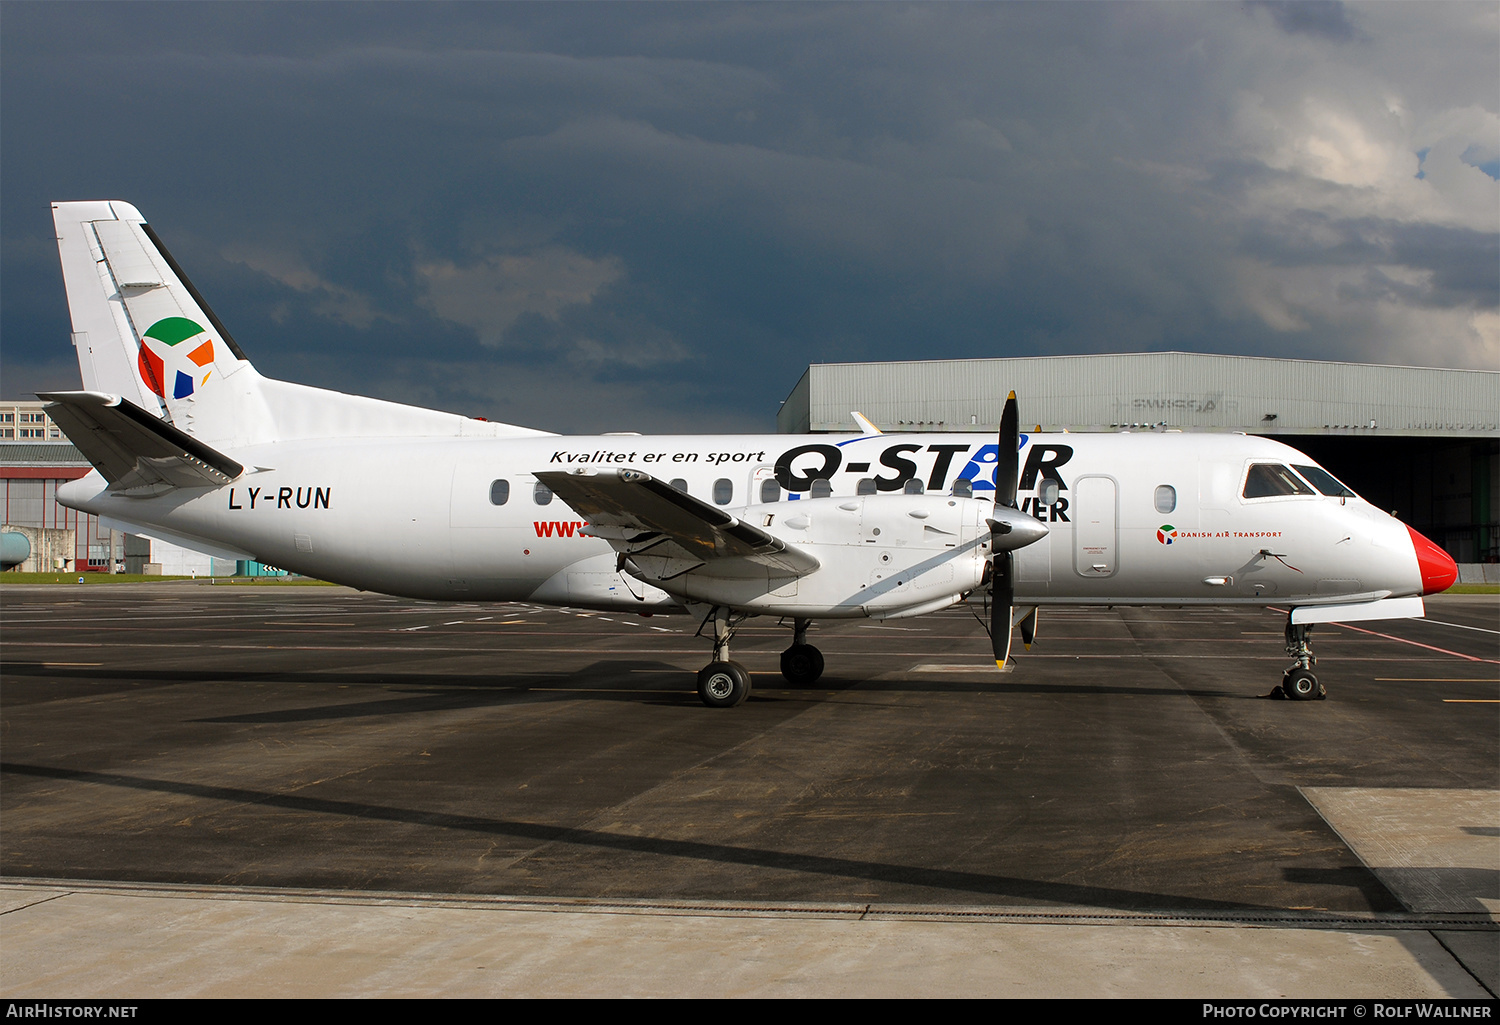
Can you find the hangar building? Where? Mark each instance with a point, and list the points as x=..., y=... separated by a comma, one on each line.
x=1423, y=442
x=35, y=459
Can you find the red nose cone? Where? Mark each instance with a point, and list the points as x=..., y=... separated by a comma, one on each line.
x=1439, y=571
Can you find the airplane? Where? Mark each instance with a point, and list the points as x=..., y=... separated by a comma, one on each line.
x=191, y=445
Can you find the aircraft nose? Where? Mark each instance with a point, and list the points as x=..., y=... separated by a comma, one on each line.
x=1439, y=571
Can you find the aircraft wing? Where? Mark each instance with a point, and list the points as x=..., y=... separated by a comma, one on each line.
x=133, y=448
x=643, y=517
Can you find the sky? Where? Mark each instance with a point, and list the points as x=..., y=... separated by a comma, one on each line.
x=592, y=217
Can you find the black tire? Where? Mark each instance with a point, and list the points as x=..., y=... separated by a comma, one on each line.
x=1302, y=685
x=802, y=665
x=723, y=684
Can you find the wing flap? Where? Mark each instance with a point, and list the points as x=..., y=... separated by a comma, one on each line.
x=133, y=448
x=639, y=514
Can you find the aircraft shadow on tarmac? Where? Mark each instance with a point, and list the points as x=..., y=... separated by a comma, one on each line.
x=990, y=686
x=426, y=692
x=650, y=682
x=1422, y=881
x=1041, y=893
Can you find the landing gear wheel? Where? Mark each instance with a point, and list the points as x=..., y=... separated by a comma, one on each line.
x=723, y=684
x=1302, y=685
x=802, y=665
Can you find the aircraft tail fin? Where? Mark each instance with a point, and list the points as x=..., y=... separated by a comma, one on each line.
x=140, y=328
x=143, y=333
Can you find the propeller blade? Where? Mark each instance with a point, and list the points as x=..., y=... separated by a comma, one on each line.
x=1009, y=530
x=1008, y=460
x=1028, y=628
x=1002, y=596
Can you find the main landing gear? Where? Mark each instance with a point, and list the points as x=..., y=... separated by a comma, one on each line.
x=724, y=683
x=802, y=663
x=1298, y=682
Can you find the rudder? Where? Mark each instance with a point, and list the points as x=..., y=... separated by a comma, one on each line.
x=140, y=329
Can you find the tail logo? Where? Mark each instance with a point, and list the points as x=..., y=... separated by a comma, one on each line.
x=188, y=367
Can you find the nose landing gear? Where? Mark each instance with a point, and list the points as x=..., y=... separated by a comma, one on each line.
x=1298, y=682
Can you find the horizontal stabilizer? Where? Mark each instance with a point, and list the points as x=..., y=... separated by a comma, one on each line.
x=133, y=448
x=637, y=513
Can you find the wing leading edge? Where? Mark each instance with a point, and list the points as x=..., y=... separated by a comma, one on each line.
x=644, y=518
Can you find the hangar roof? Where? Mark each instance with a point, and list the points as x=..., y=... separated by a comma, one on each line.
x=40, y=453
x=1188, y=390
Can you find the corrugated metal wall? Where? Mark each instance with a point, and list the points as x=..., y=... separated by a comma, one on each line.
x=1418, y=440
x=32, y=502
x=1190, y=390
x=30, y=473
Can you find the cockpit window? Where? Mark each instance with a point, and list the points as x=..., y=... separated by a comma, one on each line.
x=1267, y=480
x=1325, y=481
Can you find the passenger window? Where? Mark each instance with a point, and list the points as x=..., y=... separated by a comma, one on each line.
x=1166, y=498
x=499, y=492
x=1267, y=480
x=723, y=491
x=962, y=488
x=770, y=491
x=913, y=487
x=679, y=484
x=1046, y=492
x=541, y=494
x=821, y=488
x=866, y=486
x=1325, y=481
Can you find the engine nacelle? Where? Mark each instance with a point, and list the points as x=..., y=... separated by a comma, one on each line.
x=881, y=556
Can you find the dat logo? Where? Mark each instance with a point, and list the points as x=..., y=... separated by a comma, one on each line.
x=176, y=352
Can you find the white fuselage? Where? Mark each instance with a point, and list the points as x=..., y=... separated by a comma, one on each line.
x=1137, y=518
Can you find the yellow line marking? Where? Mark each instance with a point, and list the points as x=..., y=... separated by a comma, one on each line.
x=1471, y=701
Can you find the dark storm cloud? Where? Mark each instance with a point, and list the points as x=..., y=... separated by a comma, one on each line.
x=639, y=216
x=1457, y=265
x=1328, y=19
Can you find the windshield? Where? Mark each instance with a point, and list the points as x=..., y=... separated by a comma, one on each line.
x=1267, y=480
x=1325, y=481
